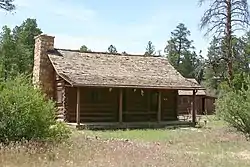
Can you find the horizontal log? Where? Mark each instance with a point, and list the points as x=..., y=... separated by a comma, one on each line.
x=168, y=114
x=94, y=112
x=137, y=109
x=94, y=119
x=140, y=119
x=91, y=114
x=98, y=118
x=170, y=110
x=139, y=113
x=60, y=117
x=59, y=105
x=99, y=105
x=168, y=118
x=60, y=112
x=89, y=110
x=140, y=116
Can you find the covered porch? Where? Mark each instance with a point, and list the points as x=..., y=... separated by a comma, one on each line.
x=105, y=107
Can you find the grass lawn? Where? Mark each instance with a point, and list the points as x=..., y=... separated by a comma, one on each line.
x=213, y=145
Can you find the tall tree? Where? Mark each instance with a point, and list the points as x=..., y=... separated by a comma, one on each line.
x=179, y=45
x=150, y=49
x=199, y=67
x=214, y=72
x=112, y=49
x=180, y=53
x=84, y=48
x=192, y=65
x=224, y=18
x=241, y=51
x=7, y=5
x=17, y=49
x=25, y=43
x=7, y=53
x=216, y=65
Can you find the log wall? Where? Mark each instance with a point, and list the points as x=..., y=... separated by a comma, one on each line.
x=60, y=98
x=203, y=105
x=169, y=105
x=102, y=105
x=96, y=104
x=140, y=105
x=210, y=105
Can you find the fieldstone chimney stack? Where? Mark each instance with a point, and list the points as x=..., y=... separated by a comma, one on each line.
x=43, y=71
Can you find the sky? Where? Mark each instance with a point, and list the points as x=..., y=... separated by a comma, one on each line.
x=126, y=24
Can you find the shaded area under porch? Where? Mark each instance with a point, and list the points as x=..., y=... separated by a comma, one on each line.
x=122, y=107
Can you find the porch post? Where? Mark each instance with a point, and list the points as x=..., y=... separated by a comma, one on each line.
x=78, y=110
x=194, y=107
x=159, y=107
x=120, y=105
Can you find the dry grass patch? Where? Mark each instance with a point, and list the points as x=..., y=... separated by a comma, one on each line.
x=211, y=146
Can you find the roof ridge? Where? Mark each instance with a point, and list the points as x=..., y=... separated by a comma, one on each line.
x=75, y=50
x=107, y=53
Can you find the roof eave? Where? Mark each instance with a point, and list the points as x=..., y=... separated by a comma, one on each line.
x=62, y=76
x=138, y=86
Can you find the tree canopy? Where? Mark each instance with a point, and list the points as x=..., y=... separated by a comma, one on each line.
x=180, y=53
x=7, y=5
x=112, y=49
x=150, y=49
x=224, y=18
x=84, y=48
x=17, y=49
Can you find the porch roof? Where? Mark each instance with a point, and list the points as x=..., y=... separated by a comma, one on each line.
x=117, y=70
x=190, y=93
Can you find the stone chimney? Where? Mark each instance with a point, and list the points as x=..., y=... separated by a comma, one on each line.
x=43, y=71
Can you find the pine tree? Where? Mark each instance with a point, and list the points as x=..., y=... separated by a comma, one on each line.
x=7, y=53
x=150, y=49
x=112, y=49
x=179, y=45
x=180, y=53
x=224, y=18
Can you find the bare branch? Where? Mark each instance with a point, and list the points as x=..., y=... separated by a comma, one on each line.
x=239, y=29
x=226, y=16
x=219, y=26
x=217, y=16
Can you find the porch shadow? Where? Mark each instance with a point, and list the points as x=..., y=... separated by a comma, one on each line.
x=132, y=125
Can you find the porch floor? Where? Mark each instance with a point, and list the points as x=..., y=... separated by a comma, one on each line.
x=131, y=125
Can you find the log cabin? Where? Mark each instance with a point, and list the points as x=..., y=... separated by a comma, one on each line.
x=204, y=101
x=99, y=88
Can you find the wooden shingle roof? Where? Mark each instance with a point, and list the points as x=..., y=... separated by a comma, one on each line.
x=117, y=70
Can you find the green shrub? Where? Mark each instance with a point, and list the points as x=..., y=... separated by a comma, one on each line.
x=59, y=131
x=25, y=114
x=234, y=106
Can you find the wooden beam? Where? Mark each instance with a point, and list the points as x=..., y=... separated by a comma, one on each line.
x=148, y=100
x=120, y=104
x=159, y=107
x=78, y=107
x=194, y=107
